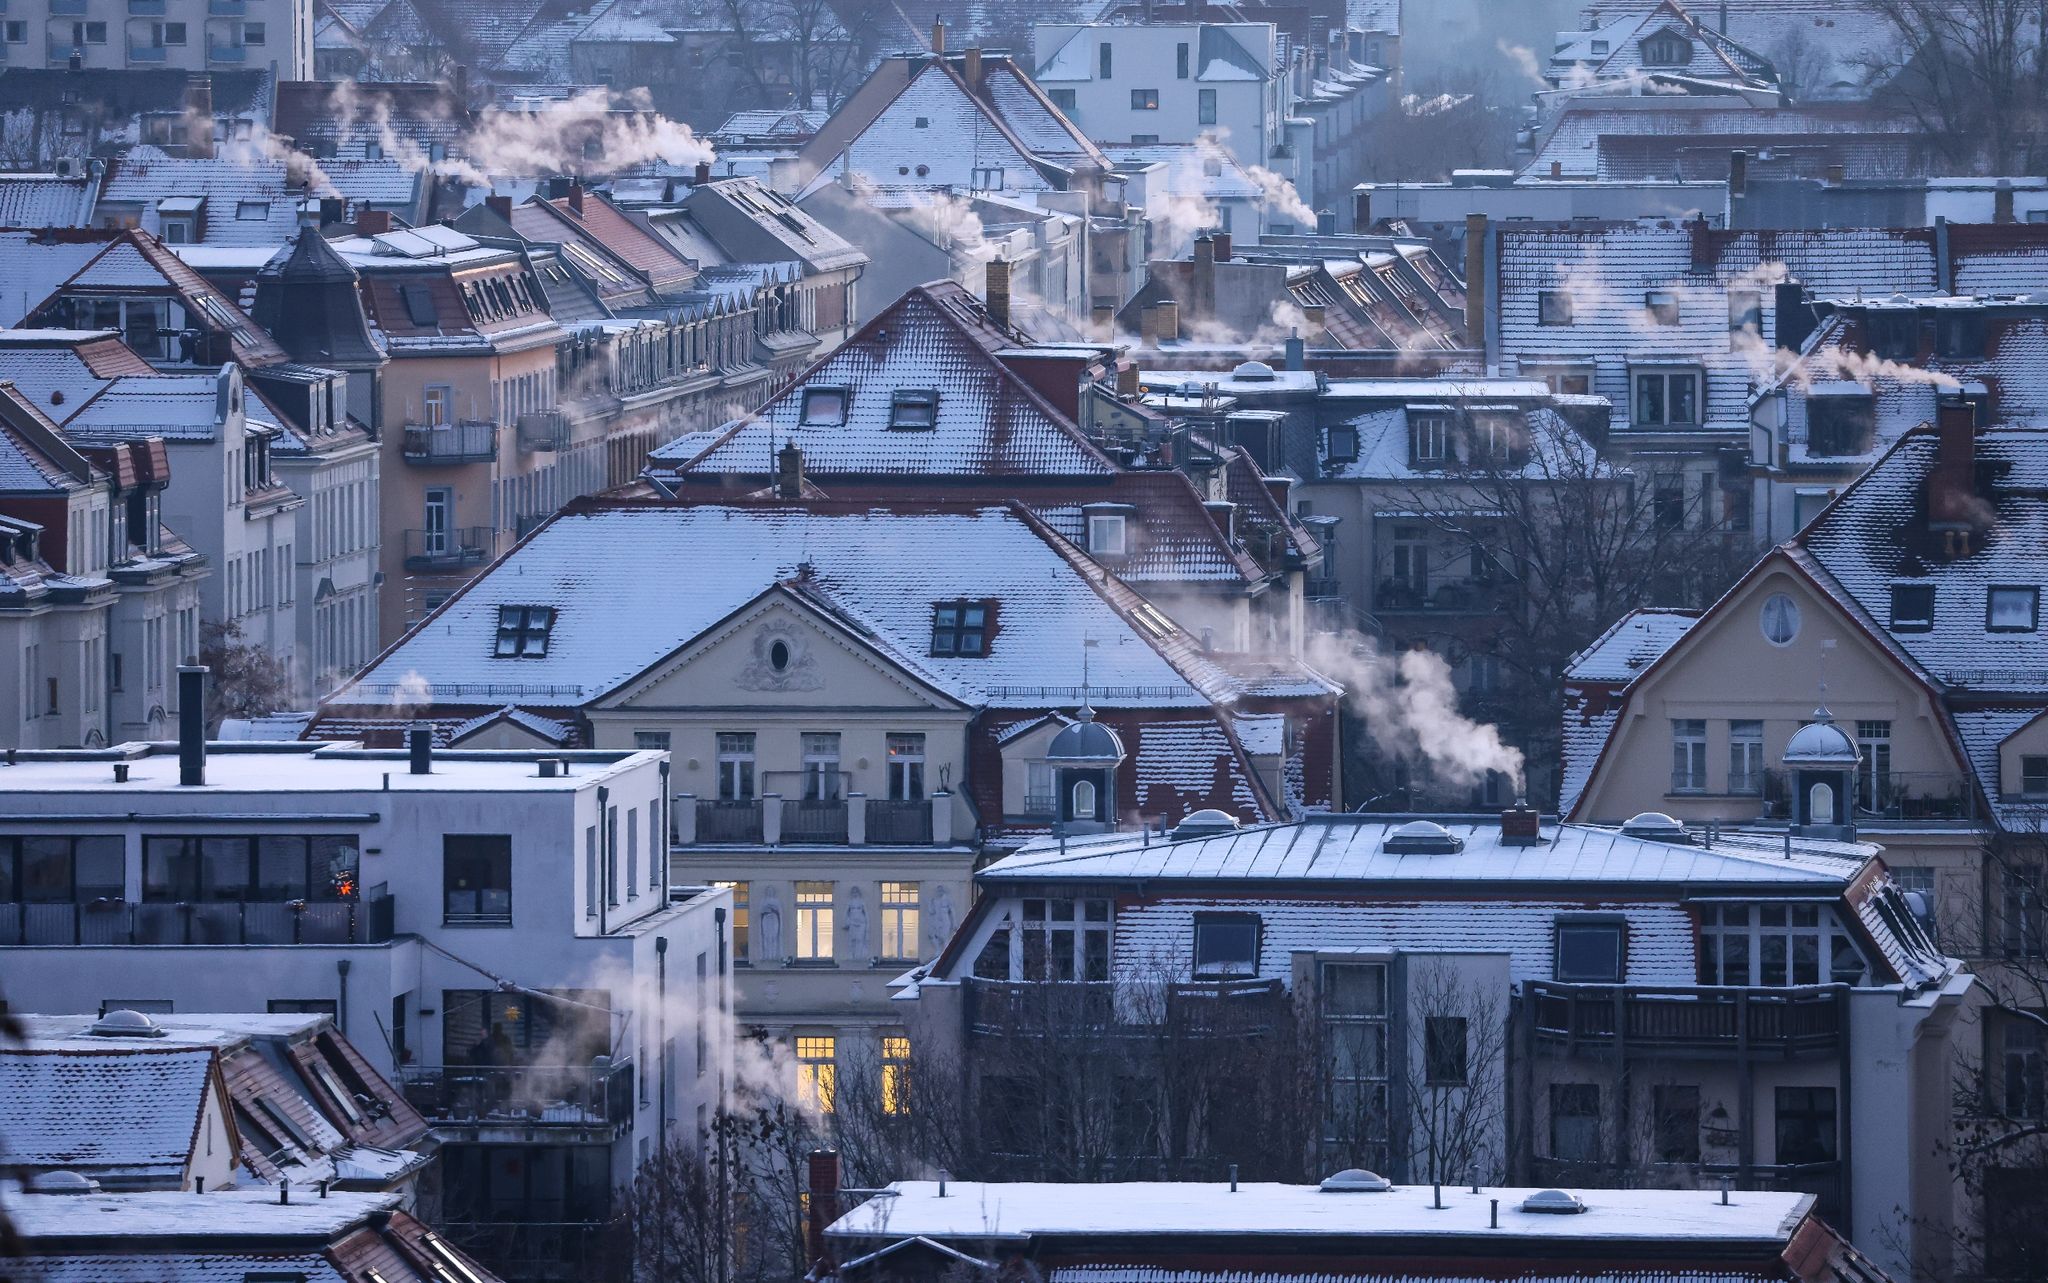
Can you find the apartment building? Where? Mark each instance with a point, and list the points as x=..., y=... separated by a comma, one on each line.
x=274, y=36
x=1170, y=83
x=496, y=927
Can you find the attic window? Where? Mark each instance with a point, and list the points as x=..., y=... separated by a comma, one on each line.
x=1226, y=944
x=1662, y=305
x=1152, y=619
x=1745, y=311
x=824, y=407
x=419, y=305
x=1959, y=336
x=1589, y=952
x=1344, y=443
x=523, y=631
x=1553, y=307
x=922, y=122
x=1600, y=48
x=252, y=211
x=1666, y=49
x=1912, y=608
x=913, y=409
x=1212, y=167
x=960, y=628
x=2012, y=610
x=1106, y=534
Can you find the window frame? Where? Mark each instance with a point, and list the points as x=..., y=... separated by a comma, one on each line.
x=1663, y=308
x=1914, y=620
x=904, y=405
x=816, y=942
x=1665, y=377
x=499, y=861
x=1446, y=1053
x=809, y=417
x=2032, y=596
x=1554, y=306
x=1144, y=100
x=1233, y=968
x=950, y=631
x=1615, y=927
x=519, y=628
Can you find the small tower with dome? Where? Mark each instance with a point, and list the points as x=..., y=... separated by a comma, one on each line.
x=1084, y=758
x=1821, y=760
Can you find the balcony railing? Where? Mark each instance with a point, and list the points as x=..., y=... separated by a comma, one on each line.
x=543, y=431
x=599, y=1095
x=444, y=444
x=728, y=821
x=1897, y=796
x=67, y=8
x=227, y=8
x=899, y=823
x=1451, y=597
x=447, y=551
x=148, y=53
x=1027, y=1008
x=119, y=922
x=1776, y=1021
x=146, y=6
x=227, y=53
x=816, y=820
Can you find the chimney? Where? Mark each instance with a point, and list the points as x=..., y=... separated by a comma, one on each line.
x=199, y=115
x=1738, y=173
x=1166, y=323
x=939, y=36
x=1148, y=326
x=576, y=199
x=1127, y=378
x=1326, y=222
x=499, y=205
x=1520, y=826
x=1102, y=317
x=789, y=471
x=822, y=1169
x=1220, y=242
x=970, y=68
x=419, y=743
x=703, y=174
x=1361, y=209
x=372, y=222
x=1556, y=169
x=1952, y=488
x=995, y=291
x=191, y=724
x=1224, y=513
x=1702, y=239
x=2001, y=202
x=1296, y=350
x=1836, y=174
x=461, y=86
x=1278, y=488
x=1475, y=280
x=1202, y=302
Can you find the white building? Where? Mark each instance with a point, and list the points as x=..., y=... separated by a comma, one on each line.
x=496, y=929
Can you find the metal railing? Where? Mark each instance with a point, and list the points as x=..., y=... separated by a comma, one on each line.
x=599, y=1095
x=434, y=551
x=899, y=822
x=227, y=8
x=814, y=820
x=148, y=53
x=119, y=922
x=1777, y=1021
x=1212, y=1008
x=1898, y=795
x=543, y=431
x=719, y=820
x=227, y=53
x=437, y=444
x=1446, y=597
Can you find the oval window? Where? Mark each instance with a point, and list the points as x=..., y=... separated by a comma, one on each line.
x=778, y=656
x=1779, y=619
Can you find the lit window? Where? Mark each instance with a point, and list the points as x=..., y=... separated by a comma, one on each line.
x=901, y=902
x=739, y=918
x=906, y=767
x=825, y=407
x=2012, y=610
x=523, y=631
x=914, y=409
x=895, y=1074
x=960, y=628
x=817, y=1074
x=1912, y=608
x=1144, y=100
x=814, y=938
x=1589, y=952
x=1554, y=307
x=1226, y=944
x=1662, y=305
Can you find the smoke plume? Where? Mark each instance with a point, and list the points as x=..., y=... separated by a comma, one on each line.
x=1410, y=708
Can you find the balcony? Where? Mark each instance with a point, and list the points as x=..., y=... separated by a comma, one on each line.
x=719, y=820
x=67, y=8
x=118, y=922
x=899, y=823
x=1899, y=797
x=441, y=552
x=431, y=445
x=1453, y=597
x=814, y=821
x=1035, y=1009
x=596, y=1095
x=147, y=54
x=1779, y=1022
x=544, y=431
x=227, y=8
x=235, y=54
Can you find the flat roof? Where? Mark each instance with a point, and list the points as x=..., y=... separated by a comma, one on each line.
x=226, y=1214
x=1023, y=1210
x=184, y=1029
x=263, y=767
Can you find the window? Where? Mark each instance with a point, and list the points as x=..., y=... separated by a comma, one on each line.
x=420, y=309
x=1343, y=446
x=1912, y=608
x=1144, y=100
x=2012, y=610
x=1353, y=1002
x=820, y=765
x=1667, y=398
x=735, y=766
x=1444, y=1049
x=1959, y=336
x=1666, y=49
x=906, y=767
x=913, y=409
x=1104, y=60
x=1779, y=619
x=824, y=407
x=1226, y=944
x=523, y=631
x=252, y=211
x=1745, y=311
x=1874, y=773
x=253, y=33
x=1589, y=952
x=814, y=938
x=1894, y=336
x=1675, y=1124
x=921, y=122
x=1774, y=945
x=1429, y=437
x=900, y=905
x=1806, y=1125
x=1062, y=99
x=739, y=891
x=1063, y=939
x=651, y=739
x=1662, y=307
x=816, y=1072
x=1688, y=755
x=1205, y=106
x=895, y=1073
x=1575, y=1122
x=1180, y=62
x=2033, y=776
x=1106, y=534
x=476, y=879
x=15, y=33
x=1746, y=757
x=273, y=868
x=1553, y=307
x=988, y=180
x=89, y=33
x=52, y=870
x=960, y=628
x=1916, y=886
x=2018, y=1058
x=1840, y=423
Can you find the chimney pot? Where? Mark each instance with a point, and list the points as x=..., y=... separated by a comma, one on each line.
x=419, y=742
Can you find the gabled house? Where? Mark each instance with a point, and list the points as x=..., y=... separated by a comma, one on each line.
x=1666, y=39
x=1813, y=50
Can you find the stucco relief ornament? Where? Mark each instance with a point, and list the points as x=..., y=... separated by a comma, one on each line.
x=771, y=925
x=782, y=661
x=856, y=923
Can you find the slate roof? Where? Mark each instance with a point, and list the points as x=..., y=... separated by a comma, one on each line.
x=1636, y=640
x=936, y=337
x=176, y=407
x=250, y=200
x=119, y=1109
x=35, y=264
x=45, y=200
x=785, y=229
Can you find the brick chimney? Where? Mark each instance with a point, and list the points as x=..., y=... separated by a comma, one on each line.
x=995, y=290
x=1475, y=280
x=199, y=115
x=938, y=35
x=1952, y=501
x=1520, y=826
x=1127, y=378
x=789, y=471
x=703, y=174
x=1702, y=239
x=1220, y=241
x=1202, y=300
x=576, y=199
x=1166, y=320
x=372, y=222
x=2001, y=202
x=970, y=68
x=499, y=205
x=822, y=1172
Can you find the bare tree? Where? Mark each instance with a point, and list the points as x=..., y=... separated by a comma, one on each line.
x=247, y=680
x=1455, y=1076
x=676, y=1222
x=798, y=53
x=1973, y=73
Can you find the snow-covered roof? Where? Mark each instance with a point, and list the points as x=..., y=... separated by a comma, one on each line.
x=34, y=265
x=1181, y=1211
x=115, y=1107
x=1637, y=640
x=45, y=200
x=1983, y=732
x=242, y=768
x=185, y=1267
x=228, y=1215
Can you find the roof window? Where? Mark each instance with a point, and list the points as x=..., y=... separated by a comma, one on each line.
x=914, y=409
x=252, y=211
x=960, y=629
x=1662, y=305
x=419, y=305
x=1422, y=837
x=1226, y=944
x=2015, y=609
x=523, y=631
x=1589, y=952
x=1108, y=535
x=825, y=407
x=1912, y=608
x=1554, y=307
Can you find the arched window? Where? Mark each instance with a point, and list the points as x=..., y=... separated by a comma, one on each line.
x=1084, y=799
x=1820, y=804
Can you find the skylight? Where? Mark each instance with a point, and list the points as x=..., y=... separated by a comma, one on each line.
x=523, y=631
x=911, y=409
x=825, y=407
x=960, y=629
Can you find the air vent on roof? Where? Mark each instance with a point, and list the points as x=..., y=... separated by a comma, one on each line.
x=61, y=1182
x=1422, y=837
x=126, y=1024
x=1655, y=826
x=1356, y=1180
x=1205, y=823
x=1253, y=372
x=1553, y=1202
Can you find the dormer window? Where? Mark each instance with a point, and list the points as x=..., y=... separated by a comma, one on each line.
x=419, y=305
x=1662, y=306
x=1666, y=49
x=1107, y=536
x=1554, y=307
x=960, y=629
x=825, y=407
x=1429, y=439
x=523, y=631
x=1912, y=608
x=1840, y=420
x=1344, y=443
x=1745, y=311
x=1226, y=944
x=1589, y=952
x=1959, y=336
x=914, y=409
x=2034, y=776
x=1895, y=336
x=1600, y=48
x=2012, y=609
x=252, y=211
